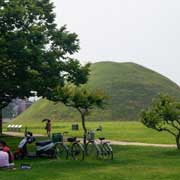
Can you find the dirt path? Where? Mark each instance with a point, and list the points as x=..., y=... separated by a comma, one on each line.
x=20, y=134
x=123, y=143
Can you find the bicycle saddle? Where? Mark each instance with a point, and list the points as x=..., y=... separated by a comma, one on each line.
x=102, y=138
x=71, y=139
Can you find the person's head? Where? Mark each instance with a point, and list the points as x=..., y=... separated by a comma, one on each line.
x=49, y=120
x=2, y=144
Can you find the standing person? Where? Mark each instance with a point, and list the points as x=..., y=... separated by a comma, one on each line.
x=48, y=127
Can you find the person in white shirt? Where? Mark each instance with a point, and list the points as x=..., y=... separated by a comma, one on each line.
x=4, y=159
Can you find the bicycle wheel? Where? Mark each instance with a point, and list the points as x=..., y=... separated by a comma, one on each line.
x=77, y=151
x=61, y=151
x=104, y=152
x=91, y=150
x=109, y=153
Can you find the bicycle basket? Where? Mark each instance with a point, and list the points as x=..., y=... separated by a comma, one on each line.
x=57, y=137
x=90, y=136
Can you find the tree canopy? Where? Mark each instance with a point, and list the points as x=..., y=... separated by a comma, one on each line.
x=34, y=51
x=80, y=98
x=163, y=115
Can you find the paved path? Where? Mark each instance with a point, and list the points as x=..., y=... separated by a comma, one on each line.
x=124, y=143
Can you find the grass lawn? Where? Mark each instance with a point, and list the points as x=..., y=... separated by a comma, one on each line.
x=117, y=130
x=130, y=163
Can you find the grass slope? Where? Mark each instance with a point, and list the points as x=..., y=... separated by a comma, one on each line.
x=130, y=88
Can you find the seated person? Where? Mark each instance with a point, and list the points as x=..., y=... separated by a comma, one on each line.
x=6, y=149
x=4, y=159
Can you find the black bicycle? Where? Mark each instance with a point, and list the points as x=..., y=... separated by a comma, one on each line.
x=74, y=148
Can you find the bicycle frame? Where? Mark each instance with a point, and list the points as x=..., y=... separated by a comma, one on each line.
x=103, y=148
x=74, y=149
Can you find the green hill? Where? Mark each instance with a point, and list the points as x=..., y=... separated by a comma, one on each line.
x=130, y=87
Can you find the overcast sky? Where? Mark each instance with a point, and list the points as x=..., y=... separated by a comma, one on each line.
x=146, y=32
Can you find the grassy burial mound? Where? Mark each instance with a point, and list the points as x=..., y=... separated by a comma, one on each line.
x=129, y=86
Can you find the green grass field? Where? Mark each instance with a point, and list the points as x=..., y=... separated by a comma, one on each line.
x=130, y=163
x=124, y=131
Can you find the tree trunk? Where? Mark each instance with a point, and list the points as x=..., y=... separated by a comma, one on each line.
x=177, y=141
x=84, y=127
x=0, y=123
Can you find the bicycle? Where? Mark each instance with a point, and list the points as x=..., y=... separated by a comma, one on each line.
x=102, y=149
x=75, y=149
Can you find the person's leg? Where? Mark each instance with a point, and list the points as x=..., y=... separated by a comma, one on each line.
x=49, y=134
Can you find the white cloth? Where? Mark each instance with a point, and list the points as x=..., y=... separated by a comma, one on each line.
x=4, y=159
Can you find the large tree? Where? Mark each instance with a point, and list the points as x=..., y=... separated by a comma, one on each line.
x=80, y=98
x=163, y=115
x=34, y=51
